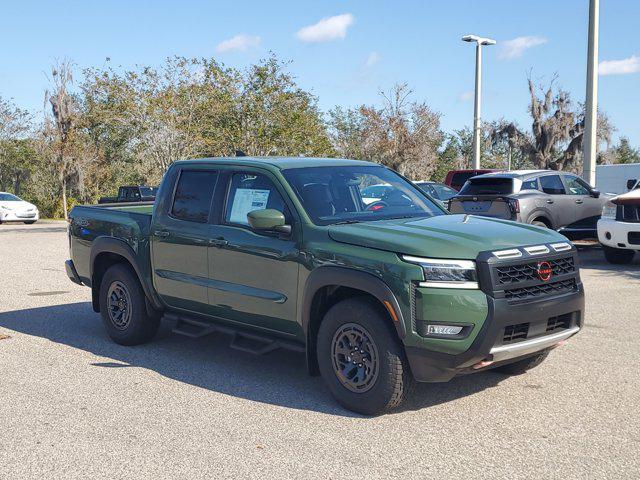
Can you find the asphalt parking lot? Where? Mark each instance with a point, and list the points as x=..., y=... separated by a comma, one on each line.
x=75, y=405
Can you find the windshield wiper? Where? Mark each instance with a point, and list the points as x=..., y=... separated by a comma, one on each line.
x=346, y=222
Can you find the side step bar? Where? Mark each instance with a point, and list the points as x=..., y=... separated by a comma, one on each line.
x=249, y=342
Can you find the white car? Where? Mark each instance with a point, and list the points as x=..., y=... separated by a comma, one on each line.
x=14, y=209
x=619, y=227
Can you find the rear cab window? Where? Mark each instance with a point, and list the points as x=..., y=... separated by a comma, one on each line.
x=193, y=195
x=488, y=186
x=552, y=185
x=459, y=179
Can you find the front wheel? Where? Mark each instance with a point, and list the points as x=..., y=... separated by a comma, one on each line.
x=30, y=222
x=618, y=256
x=123, y=309
x=361, y=359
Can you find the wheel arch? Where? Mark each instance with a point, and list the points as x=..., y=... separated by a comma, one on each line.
x=326, y=286
x=542, y=216
x=108, y=251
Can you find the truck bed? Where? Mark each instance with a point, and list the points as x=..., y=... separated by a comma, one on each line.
x=130, y=223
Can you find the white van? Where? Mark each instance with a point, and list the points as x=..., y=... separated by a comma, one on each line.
x=618, y=178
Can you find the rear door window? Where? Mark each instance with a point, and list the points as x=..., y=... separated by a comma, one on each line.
x=552, y=185
x=488, y=186
x=192, y=199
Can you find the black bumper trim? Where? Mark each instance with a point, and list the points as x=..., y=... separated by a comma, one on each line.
x=430, y=366
x=71, y=272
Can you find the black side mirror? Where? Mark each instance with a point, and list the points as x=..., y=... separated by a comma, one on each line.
x=631, y=183
x=595, y=193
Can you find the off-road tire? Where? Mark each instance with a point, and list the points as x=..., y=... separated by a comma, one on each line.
x=618, y=256
x=140, y=327
x=394, y=380
x=522, y=366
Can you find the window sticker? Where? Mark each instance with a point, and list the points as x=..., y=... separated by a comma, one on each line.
x=247, y=200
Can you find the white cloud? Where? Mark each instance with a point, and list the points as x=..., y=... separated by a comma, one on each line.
x=466, y=96
x=620, y=67
x=327, y=29
x=515, y=48
x=372, y=59
x=239, y=43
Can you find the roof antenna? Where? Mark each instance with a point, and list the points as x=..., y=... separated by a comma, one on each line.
x=240, y=153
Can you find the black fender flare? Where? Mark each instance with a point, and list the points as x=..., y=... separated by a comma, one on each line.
x=121, y=248
x=347, y=277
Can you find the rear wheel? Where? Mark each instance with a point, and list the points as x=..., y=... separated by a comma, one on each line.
x=123, y=309
x=618, y=256
x=522, y=366
x=30, y=222
x=360, y=358
x=540, y=223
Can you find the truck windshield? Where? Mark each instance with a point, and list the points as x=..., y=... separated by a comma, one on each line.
x=488, y=186
x=344, y=195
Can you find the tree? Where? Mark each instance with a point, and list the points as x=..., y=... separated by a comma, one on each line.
x=402, y=134
x=556, y=137
x=15, y=124
x=625, y=153
x=60, y=129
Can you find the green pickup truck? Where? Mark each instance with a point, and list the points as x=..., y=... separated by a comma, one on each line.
x=284, y=253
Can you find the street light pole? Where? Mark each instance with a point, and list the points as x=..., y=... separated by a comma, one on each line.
x=591, y=114
x=478, y=94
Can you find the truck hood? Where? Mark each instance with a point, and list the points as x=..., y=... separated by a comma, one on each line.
x=629, y=198
x=443, y=236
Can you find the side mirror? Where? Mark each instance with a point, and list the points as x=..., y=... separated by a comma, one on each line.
x=631, y=183
x=595, y=193
x=268, y=220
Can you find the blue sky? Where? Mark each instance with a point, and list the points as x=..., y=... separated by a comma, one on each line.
x=369, y=46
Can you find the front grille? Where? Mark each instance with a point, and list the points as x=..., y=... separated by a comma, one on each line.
x=528, y=271
x=628, y=213
x=560, y=322
x=544, y=289
x=513, y=333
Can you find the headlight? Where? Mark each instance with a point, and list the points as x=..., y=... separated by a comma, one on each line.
x=609, y=211
x=446, y=273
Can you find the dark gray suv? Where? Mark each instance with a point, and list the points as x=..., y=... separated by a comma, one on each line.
x=558, y=200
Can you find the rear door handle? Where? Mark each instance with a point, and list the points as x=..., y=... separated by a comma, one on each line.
x=579, y=201
x=161, y=233
x=218, y=242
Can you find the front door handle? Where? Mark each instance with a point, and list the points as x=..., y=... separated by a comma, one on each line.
x=218, y=242
x=161, y=233
x=549, y=201
x=579, y=201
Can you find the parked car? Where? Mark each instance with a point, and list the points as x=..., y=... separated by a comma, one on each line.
x=457, y=178
x=137, y=193
x=374, y=193
x=619, y=227
x=284, y=253
x=438, y=191
x=14, y=209
x=547, y=198
x=617, y=179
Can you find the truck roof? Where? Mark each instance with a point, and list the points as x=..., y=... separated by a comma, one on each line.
x=281, y=163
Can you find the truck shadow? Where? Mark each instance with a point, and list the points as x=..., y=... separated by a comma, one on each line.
x=279, y=378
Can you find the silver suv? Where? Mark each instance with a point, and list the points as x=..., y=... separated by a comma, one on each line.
x=548, y=198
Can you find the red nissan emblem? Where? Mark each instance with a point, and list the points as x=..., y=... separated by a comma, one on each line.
x=544, y=271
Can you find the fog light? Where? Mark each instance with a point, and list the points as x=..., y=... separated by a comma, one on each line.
x=608, y=235
x=443, y=330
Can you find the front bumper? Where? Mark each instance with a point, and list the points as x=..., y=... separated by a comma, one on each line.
x=618, y=233
x=19, y=216
x=430, y=366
